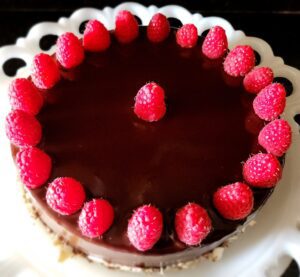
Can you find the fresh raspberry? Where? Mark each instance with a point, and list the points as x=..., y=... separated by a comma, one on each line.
x=257, y=79
x=95, y=218
x=270, y=102
x=215, y=43
x=65, y=195
x=34, y=167
x=262, y=170
x=95, y=37
x=158, y=28
x=45, y=73
x=24, y=96
x=192, y=224
x=276, y=137
x=127, y=28
x=145, y=227
x=239, y=61
x=150, y=102
x=234, y=201
x=69, y=50
x=187, y=36
x=22, y=129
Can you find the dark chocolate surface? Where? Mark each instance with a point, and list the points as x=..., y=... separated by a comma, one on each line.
x=92, y=134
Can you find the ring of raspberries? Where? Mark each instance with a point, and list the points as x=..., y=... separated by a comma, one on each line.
x=192, y=223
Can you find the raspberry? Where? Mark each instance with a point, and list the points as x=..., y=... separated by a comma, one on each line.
x=65, y=195
x=150, y=102
x=239, y=61
x=158, y=28
x=257, y=79
x=69, y=52
x=34, y=167
x=276, y=137
x=187, y=36
x=234, y=201
x=127, y=28
x=270, y=102
x=95, y=218
x=95, y=36
x=22, y=129
x=215, y=43
x=145, y=227
x=45, y=73
x=262, y=170
x=192, y=224
x=24, y=96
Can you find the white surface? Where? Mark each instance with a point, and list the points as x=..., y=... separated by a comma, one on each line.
x=265, y=249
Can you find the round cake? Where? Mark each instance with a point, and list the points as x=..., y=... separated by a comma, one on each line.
x=147, y=146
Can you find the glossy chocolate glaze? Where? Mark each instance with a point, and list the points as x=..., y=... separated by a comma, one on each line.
x=93, y=135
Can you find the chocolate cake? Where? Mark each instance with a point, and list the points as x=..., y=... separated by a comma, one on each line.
x=91, y=133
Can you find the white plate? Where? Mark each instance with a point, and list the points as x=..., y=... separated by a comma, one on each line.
x=265, y=249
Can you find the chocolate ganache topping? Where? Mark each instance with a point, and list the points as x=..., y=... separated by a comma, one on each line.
x=92, y=134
